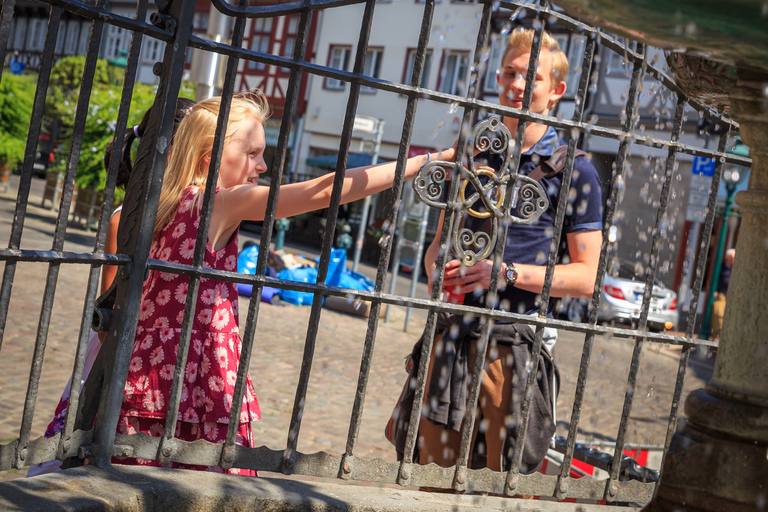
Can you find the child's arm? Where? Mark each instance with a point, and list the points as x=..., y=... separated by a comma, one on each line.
x=249, y=202
x=108, y=272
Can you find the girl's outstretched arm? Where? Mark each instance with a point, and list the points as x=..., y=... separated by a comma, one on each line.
x=249, y=202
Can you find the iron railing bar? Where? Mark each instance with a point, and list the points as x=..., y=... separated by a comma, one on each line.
x=647, y=293
x=428, y=304
x=94, y=13
x=50, y=285
x=460, y=474
x=22, y=195
x=289, y=110
x=6, y=15
x=167, y=443
x=330, y=227
x=694, y=302
x=513, y=473
x=384, y=258
x=282, y=9
x=562, y=487
x=101, y=235
x=449, y=216
x=412, y=91
x=323, y=464
x=81, y=114
x=135, y=237
x=16, y=255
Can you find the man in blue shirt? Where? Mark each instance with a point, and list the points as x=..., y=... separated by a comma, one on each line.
x=521, y=280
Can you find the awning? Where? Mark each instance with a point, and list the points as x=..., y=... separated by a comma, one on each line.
x=329, y=161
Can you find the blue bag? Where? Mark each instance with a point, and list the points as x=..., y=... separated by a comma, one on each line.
x=246, y=264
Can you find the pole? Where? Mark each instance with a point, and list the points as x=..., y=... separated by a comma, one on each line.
x=367, y=201
x=206, y=65
x=706, y=322
x=398, y=248
x=417, y=260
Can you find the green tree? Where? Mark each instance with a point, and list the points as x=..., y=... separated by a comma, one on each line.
x=101, y=121
x=17, y=95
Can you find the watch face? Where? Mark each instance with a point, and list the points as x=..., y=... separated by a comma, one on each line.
x=511, y=274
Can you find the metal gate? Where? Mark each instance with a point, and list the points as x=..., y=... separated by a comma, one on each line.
x=103, y=393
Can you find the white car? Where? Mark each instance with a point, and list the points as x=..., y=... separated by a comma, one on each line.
x=622, y=298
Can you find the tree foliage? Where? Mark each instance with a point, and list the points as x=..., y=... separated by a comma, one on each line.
x=17, y=94
x=101, y=121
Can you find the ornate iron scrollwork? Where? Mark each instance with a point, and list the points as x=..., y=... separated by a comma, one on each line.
x=487, y=189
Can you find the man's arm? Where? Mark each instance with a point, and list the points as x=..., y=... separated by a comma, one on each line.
x=576, y=279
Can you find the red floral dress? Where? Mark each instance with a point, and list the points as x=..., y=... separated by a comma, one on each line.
x=214, y=353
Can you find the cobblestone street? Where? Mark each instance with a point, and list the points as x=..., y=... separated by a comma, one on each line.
x=278, y=349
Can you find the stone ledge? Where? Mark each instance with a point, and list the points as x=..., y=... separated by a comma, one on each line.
x=135, y=488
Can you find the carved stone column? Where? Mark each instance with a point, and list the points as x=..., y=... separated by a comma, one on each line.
x=719, y=461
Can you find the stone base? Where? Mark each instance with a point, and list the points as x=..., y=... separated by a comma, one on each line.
x=140, y=488
x=707, y=473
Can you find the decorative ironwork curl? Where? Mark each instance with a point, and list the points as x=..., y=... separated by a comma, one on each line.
x=491, y=186
x=429, y=182
x=533, y=201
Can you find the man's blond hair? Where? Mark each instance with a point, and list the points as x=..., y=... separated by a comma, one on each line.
x=523, y=38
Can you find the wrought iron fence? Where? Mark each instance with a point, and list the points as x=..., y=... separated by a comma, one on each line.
x=100, y=401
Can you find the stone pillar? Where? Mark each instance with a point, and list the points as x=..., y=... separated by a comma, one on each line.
x=719, y=460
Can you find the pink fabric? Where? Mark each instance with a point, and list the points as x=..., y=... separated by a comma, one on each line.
x=214, y=353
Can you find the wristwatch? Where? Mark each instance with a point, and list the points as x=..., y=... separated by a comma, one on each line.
x=511, y=274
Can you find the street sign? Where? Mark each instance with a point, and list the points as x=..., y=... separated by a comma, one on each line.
x=365, y=124
x=703, y=166
x=698, y=191
x=17, y=67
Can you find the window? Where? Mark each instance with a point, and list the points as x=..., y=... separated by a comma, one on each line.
x=409, y=60
x=20, y=33
x=575, y=60
x=36, y=34
x=490, y=85
x=85, y=35
x=59, y=47
x=152, y=50
x=454, y=71
x=338, y=58
x=114, y=42
x=291, y=30
x=73, y=32
x=371, y=67
x=261, y=35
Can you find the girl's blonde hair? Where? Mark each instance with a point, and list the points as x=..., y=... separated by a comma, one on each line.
x=194, y=141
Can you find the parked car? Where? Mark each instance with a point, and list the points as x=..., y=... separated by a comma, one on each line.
x=43, y=160
x=622, y=298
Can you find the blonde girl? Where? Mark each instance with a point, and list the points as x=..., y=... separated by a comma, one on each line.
x=212, y=361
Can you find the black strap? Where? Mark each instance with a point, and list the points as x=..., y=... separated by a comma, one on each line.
x=554, y=164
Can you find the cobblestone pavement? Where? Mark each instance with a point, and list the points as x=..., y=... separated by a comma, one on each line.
x=278, y=349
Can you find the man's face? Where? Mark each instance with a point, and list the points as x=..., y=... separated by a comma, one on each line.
x=511, y=78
